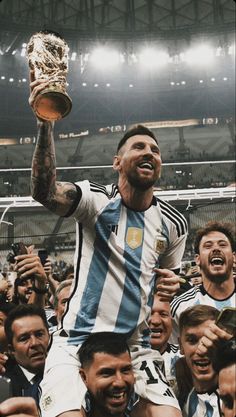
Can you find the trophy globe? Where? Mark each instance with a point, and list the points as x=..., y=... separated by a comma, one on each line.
x=48, y=58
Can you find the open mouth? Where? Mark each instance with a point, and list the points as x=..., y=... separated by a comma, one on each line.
x=202, y=364
x=216, y=260
x=156, y=332
x=146, y=165
x=37, y=355
x=117, y=398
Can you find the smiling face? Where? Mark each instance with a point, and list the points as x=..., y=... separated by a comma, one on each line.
x=24, y=290
x=109, y=380
x=30, y=342
x=160, y=324
x=215, y=257
x=204, y=377
x=139, y=162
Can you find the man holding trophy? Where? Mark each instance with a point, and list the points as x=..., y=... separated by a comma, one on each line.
x=124, y=236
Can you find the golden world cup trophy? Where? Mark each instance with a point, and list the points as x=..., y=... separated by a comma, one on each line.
x=48, y=58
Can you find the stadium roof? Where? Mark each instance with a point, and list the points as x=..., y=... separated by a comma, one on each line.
x=116, y=19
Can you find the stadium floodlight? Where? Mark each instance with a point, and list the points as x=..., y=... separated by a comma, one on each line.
x=153, y=58
x=202, y=55
x=231, y=50
x=23, y=51
x=104, y=58
x=73, y=56
x=132, y=58
x=219, y=51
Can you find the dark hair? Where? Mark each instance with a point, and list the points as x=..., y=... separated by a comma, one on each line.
x=136, y=130
x=196, y=315
x=102, y=342
x=225, y=228
x=224, y=355
x=69, y=270
x=6, y=307
x=23, y=310
x=17, y=283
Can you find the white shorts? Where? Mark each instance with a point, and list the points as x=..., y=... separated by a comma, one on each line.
x=63, y=389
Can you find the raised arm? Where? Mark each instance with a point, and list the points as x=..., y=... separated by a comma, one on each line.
x=56, y=196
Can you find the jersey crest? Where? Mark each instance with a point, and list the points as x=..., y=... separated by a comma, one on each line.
x=160, y=245
x=134, y=237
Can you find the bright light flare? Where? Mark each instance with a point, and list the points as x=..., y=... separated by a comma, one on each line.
x=105, y=58
x=201, y=56
x=152, y=58
x=231, y=50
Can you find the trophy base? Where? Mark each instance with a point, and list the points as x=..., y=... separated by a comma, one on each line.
x=52, y=105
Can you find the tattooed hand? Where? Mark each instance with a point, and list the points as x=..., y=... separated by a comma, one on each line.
x=56, y=196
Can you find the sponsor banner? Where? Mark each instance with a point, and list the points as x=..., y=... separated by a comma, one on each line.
x=73, y=135
x=172, y=123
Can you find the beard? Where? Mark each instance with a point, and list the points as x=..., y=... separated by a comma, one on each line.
x=217, y=277
x=24, y=298
x=141, y=184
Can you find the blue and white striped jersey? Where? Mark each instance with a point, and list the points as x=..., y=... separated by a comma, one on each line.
x=170, y=357
x=117, y=249
x=194, y=296
x=202, y=405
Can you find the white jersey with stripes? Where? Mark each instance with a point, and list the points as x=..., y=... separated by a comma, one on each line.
x=194, y=296
x=170, y=357
x=202, y=405
x=116, y=251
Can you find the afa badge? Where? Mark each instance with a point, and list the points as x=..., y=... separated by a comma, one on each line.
x=160, y=245
x=134, y=237
x=47, y=402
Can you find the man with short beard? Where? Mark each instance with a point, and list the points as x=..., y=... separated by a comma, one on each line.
x=107, y=372
x=215, y=254
x=126, y=239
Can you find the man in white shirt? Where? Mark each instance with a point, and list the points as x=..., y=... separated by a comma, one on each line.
x=203, y=400
x=125, y=234
x=160, y=323
x=215, y=255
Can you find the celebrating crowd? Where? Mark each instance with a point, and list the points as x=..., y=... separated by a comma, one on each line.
x=124, y=340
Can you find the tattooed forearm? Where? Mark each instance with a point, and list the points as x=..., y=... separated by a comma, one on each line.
x=56, y=196
x=43, y=164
